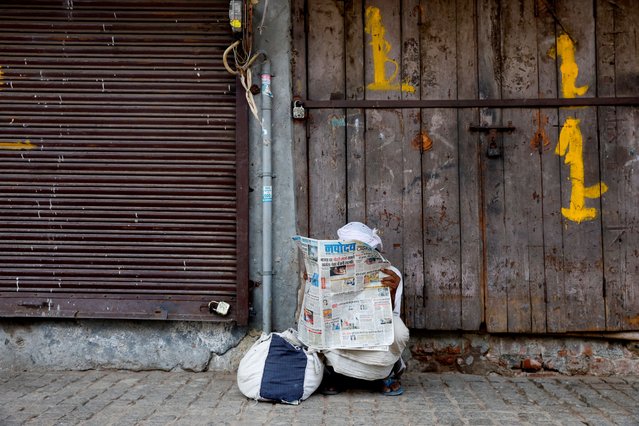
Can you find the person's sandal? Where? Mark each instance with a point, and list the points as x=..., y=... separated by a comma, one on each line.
x=391, y=387
x=330, y=384
x=330, y=390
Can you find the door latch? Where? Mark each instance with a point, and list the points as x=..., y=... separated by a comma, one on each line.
x=494, y=149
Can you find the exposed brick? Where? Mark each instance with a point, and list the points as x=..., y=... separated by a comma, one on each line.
x=446, y=359
x=530, y=364
x=587, y=350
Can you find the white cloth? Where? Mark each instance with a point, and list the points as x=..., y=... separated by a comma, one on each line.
x=370, y=365
x=359, y=232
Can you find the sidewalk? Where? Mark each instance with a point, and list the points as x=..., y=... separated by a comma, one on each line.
x=159, y=398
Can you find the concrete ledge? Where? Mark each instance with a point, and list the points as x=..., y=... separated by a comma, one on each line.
x=28, y=344
x=513, y=355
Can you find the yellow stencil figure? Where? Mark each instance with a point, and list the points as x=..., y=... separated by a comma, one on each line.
x=381, y=48
x=569, y=69
x=571, y=146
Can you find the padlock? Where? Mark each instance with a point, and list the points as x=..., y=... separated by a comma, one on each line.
x=493, y=148
x=221, y=308
x=298, y=111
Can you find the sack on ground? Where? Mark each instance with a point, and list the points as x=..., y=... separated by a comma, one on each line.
x=279, y=368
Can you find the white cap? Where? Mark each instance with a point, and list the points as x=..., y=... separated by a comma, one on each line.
x=359, y=232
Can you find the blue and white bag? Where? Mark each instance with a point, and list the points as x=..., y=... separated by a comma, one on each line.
x=279, y=368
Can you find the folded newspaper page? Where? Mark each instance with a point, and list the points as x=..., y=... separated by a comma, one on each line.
x=345, y=304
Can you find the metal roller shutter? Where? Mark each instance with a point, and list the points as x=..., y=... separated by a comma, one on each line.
x=123, y=175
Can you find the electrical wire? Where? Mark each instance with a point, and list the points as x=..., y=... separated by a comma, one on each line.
x=243, y=57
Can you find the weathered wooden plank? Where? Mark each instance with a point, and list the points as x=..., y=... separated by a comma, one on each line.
x=355, y=118
x=383, y=127
x=327, y=185
x=523, y=245
x=412, y=146
x=300, y=141
x=546, y=136
x=300, y=147
x=614, y=263
x=578, y=146
x=472, y=307
x=440, y=168
x=617, y=64
x=492, y=176
x=627, y=69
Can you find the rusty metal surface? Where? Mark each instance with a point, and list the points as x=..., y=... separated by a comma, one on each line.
x=471, y=103
x=123, y=190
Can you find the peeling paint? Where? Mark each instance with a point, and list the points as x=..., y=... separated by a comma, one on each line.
x=22, y=145
x=540, y=139
x=422, y=142
x=634, y=321
x=338, y=121
x=629, y=162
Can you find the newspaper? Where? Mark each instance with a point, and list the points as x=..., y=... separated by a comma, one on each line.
x=345, y=304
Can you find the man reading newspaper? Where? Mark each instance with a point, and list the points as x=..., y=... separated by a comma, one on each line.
x=351, y=308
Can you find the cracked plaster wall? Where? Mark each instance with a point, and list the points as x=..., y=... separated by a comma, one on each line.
x=29, y=344
x=132, y=345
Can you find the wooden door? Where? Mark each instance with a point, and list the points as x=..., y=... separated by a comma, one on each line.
x=406, y=97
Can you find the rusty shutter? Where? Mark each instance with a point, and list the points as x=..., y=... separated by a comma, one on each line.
x=122, y=171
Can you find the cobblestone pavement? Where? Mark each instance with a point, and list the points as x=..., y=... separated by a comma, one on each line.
x=160, y=398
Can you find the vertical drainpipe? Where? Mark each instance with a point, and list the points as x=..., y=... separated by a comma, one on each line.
x=267, y=198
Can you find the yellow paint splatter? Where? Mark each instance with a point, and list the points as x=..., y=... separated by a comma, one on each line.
x=380, y=50
x=17, y=145
x=569, y=69
x=570, y=146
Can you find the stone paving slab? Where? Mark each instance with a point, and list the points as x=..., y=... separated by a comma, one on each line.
x=163, y=398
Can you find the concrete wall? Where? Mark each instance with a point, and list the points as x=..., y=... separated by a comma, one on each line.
x=29, y=344
x=275, y=40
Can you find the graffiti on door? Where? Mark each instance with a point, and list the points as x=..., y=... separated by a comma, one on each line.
x=571, y=142
x=380, y=48
x=569, y=69
x=570, y=146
